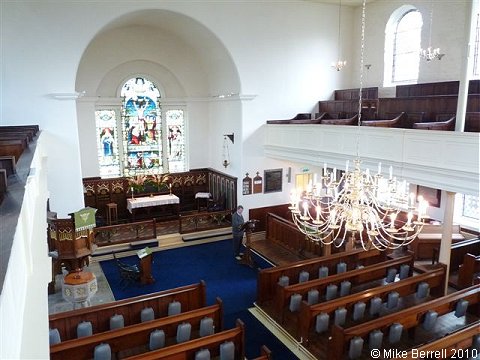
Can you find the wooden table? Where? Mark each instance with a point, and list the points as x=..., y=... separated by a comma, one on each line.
x=152, y=201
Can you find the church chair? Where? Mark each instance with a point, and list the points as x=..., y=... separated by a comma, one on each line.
x=303, y=276
x=112, y=213
x=358, y=311
x=313, y=296
x=129, y=274
x=206, y=327
x=355, y=348
x=54, y=336
x=375, y=339
x=102, y=352
x=283, y=281
x=321, y=322
x=157, y=340
x=395, y=333
x=295, y=301
x=117, y=322
x=203, y=354
x=147, y=314
x=345, y=287
x=429, y=320
x=227, y=350
x=184, y=331
x=331, y=292
x=340, y=316
x=84, y=329
x=174, y=308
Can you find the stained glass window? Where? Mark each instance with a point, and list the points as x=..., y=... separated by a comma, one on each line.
x=142, y=141
x=107, y=144
x=176, y=140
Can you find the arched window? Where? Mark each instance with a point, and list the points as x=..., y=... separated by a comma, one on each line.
x=402, y=46
x=143, y=139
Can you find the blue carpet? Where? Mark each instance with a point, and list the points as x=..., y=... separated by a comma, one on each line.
x=214, y=263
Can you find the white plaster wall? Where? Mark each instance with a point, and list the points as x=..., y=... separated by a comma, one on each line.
x=450, y=19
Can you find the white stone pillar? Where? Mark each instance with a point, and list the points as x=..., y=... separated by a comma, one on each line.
x=446, y=243
x=467, y=65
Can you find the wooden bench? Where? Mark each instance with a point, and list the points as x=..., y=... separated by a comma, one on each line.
x=187, y=350
x=357, y=276
x=349, y=121
x=8, y=163
x=12, y=148
x=448, y=345
x=135, y=337
x=190, y=297
x=447, y=125
x=469, y=270
x=265, y=354
x=409, y=318
x=429, y=239
x=299, y=117
x=434, y=278
x=268, y=278
x=396, y=122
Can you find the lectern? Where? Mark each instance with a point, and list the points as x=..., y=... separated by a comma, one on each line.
x=248, y=226
x=145, y=256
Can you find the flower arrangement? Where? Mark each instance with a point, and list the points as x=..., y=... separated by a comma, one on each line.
x=137, y=183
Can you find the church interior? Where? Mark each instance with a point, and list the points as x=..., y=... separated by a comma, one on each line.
x=347, y=131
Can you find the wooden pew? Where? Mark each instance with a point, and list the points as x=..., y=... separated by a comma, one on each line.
x=12, y=148
x=447, y=125
x=434, y=278
x=268, y=278
x=187, y=350
x=349, y=121
x=429, y=239
x=302, y=117
x=396, y=122
x=357, y=276
x=33, y=128
x=468, y=270
x=265, y=354
x=191, y=297
x=8, y=163
x=450, y=345
x=472, y=122
x=409, y=318
x=135, y=337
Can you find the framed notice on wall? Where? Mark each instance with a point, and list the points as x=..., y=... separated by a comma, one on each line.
x=257, y=184
x=273, y=180
x=433, y=196
x=247, y=185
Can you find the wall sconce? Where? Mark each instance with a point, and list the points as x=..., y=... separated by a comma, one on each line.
x=226, y=151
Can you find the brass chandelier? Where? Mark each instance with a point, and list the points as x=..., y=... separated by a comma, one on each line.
x=356, y=205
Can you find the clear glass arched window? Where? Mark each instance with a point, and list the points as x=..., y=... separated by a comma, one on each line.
x=143, y=139
x=402, y=46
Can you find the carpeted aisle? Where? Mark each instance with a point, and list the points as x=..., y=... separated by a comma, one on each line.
x=214, y=263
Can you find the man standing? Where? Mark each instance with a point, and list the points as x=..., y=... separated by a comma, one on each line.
x=237, y=231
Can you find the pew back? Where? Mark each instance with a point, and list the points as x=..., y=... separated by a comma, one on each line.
x=191, y=297
x=268, y=278
x=135, y=337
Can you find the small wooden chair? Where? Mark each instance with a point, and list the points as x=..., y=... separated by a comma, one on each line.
x=112, y=213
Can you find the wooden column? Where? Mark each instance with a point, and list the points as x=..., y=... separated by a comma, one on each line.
x=446, y=244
